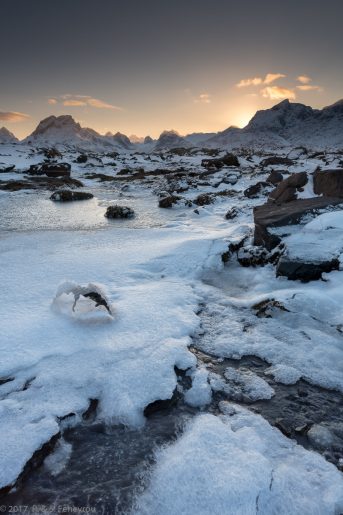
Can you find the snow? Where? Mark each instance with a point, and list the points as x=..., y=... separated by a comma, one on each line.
x=284, y=374
x=200, y=392
x=241, y=385
x=239, y=464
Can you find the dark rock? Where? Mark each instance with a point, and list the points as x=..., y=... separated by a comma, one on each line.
x=119, y=212
x=287, y=189
x=271, y=215
x=231, y=213
x=256, y=189
x=167, y=202
x=90, y=412
x=50, y=169
x=227, y=160
x=256, y=256
x=82, y=158
x=276, y=160
x=304, y=271
x=52, y=153
x=328, y=183
x=275, y=177
x=7, y=169
x=204, y=199
x=266, y=308
x=68, y=195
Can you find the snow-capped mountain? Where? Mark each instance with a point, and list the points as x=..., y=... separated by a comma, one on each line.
x=198, y=138
x=171, y=139
x=287, y=125
x=7, y=137
x=64, y=131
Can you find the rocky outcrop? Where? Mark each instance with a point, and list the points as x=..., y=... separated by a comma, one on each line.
x=50, y=169
x=328, y=182
x=271, y=215
x=69, y=195
x=304, y=271
x=257, y=189
x=275, y=177
x=119, y=212
x=287, y=189
x=276, y=160
x=169, y=201
x=40, y=183
x=227, y=160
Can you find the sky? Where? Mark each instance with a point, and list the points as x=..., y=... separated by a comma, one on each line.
x=140, y=67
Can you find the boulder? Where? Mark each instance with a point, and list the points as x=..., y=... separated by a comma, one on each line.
x=50, y=169
x=231, y=213
x=169, y=201
x=203, y=200
x=276, y=160
x=275, y=177
x=82, y=158
x=271, y=215
x=69, y=195
x=7, y=169
x=287, y=188
x=256, y=189
x=227, y=160
x=304, y=271
x=119, y=212
x=328, y=182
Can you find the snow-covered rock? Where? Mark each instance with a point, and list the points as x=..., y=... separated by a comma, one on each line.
x=7, y=137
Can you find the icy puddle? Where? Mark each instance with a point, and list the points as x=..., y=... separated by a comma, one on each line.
x=34, y=211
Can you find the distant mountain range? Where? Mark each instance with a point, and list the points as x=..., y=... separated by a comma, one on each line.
x=286, y=125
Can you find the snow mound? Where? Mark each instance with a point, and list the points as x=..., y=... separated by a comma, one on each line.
x=239, y=464
x=82, y=301
x=200, y=393
x=241, y=385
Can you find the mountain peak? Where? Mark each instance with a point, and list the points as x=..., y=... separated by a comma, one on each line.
x=7, y=136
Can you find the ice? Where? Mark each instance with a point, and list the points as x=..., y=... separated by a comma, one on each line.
x=241, y=385
x=284, y=374
x=57, y=461
x=239, y=464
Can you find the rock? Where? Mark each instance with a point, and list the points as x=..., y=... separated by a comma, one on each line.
x=119, y=212
x=68, y=195
x=251, y=255
x=287, y=188
x=276, y=160
x=52, y=153
x=227, y=160
x=271, y=215
x=7, y=169
x=204, y=199
x=256, y=189
x=160, y=405
x=304, y=271
x=82, y=158
x=50, y=170
x=266, y=308
x=36, y=183
x=231, y=213
x=275, y=177
x=167, y=202
x=328, y=183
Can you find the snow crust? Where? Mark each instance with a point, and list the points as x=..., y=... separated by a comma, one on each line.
x=239, y=464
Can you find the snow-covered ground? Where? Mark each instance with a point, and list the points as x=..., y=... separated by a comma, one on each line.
x=158, y=271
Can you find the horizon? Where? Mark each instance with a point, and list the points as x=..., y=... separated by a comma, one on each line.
x=139, y=136
x=198, y=66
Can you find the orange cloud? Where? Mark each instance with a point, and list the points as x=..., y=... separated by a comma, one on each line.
x=249, y=82
x=277, y=93
x=74, y=103
x=304, y=79
x=272, y=77
x=99, y=104
x=309, y=87
x=13, y=116
x=52, y=101
x=257, y=81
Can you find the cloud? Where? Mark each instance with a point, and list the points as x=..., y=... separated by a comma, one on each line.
x=257, y=81
x=304, y=79
x=74, y=103
x=272, y=77
x=203, y=98
x=249, y=82
x=13, y=116
x=309, y=87
x=277, y=93
x=82, y=101
x=99, y=104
